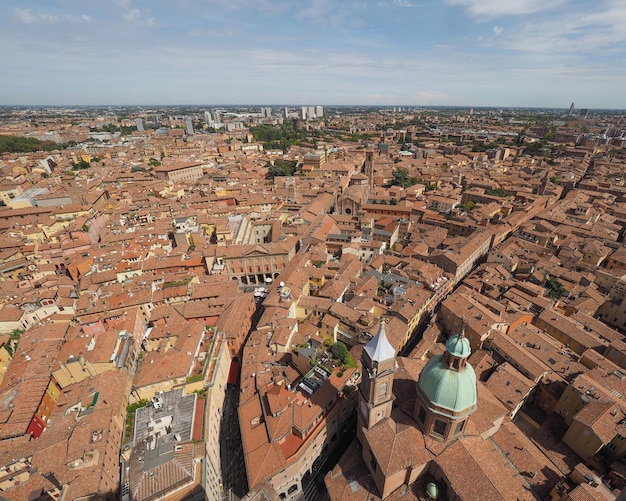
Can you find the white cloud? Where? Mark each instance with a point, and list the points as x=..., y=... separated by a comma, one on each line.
x=124, y=4
x=577, y=31
x=78, y=19
x=396, y=3
x=27, y=17
x=495, y=8
x=530, y=60
x=273, y=6
x=429, y=97
x=132, y=15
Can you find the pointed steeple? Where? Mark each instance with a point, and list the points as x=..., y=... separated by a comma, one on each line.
x=375, y=391
x=379, y=348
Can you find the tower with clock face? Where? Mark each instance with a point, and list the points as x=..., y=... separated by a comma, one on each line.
x=375, y=391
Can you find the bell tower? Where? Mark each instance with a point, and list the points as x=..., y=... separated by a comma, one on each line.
x=368, y=169
x=375, y=391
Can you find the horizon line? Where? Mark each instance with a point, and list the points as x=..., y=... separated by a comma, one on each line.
x=282, y=105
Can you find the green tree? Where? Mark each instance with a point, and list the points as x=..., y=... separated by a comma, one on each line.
x=16, y=334
x=556, y=287
x=340, y=351
x=401, y=178
x=281, y=168
x=80, y=165
x=130, y=417
x=500, y=192
x=534, y=149
x=468, y=206
x=279, y=136
x=13, y=340
x=18, y=144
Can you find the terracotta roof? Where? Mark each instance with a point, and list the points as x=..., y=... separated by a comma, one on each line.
x=476, y=470
x=602, y=417
x=396, y=446
x=509, y=385
x=527, y=459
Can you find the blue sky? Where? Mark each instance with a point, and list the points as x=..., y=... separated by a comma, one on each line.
x=544, y=53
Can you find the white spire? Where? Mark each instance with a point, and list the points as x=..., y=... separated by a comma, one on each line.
x=379, y=348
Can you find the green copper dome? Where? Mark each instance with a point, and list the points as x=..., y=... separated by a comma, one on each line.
x=432, y=491
x=458, y=346
x=448, y=390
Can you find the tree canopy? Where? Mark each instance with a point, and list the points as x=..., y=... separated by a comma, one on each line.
x=556, y=287
x=278, y=136
x=124, y=130
x=499, y=192
x=80, y=165
x=340, y=351
x=401, y=178
x=19, y=144
x=535, y=148
x=281, y=168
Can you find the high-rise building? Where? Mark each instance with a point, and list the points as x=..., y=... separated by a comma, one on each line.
x=266, y=112
x=207, y=118
x=139, y=124
x=189, y=125
x=308, y=112
x=285, y=112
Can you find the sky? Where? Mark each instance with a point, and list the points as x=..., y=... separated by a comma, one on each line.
x=513, y=53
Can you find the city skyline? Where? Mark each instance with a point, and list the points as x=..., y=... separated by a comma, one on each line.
x=522, y=53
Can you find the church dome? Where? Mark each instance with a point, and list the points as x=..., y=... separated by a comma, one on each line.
x=449, y=388
x=448, y=391
x=458, y=346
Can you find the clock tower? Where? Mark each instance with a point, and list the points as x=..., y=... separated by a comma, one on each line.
x=375, y=391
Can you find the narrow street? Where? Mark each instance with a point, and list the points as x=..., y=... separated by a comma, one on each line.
x=231, y=449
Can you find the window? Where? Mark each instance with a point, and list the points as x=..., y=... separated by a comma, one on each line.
x=459, y=428
x=439, y=428
x=382, y=390
x=422, y=415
